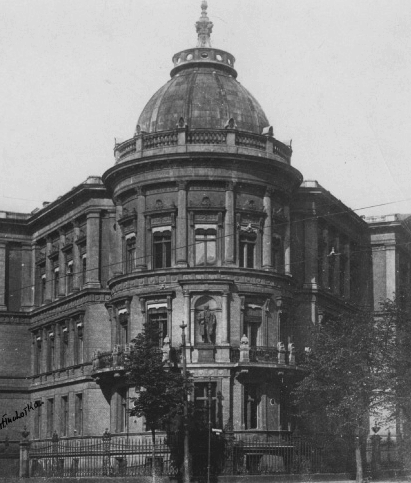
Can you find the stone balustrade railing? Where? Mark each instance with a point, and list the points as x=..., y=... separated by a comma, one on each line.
x=143, y=142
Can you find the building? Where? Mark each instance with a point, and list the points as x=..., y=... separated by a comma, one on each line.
x=202, y=219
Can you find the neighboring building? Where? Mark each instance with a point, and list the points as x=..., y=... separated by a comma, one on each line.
x=391, y=252
x=202, y=219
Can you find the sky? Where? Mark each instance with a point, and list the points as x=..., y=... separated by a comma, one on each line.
x=334, y=76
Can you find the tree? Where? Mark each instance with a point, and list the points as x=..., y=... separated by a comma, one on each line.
x=160, y=387
x=351, y=373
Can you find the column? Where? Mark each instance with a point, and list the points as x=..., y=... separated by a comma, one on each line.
x=267, y=231
x=237, y=405
x=27, y=279
x=57, y=346
x=337, y=265
x=93, y=250
x=229, y=242
x=76, y=258
x=225, y=320
x=347, y=274
x=287, y=242
x=3, y=261
x=311, y=249
x=181, y=248
x=187, y=320
x=141, y=230
x=35, y=297
x=70, y=352
x=49, y=272
x=62, y=264
x=118, y=240
x=390, y=271
x=325, y=259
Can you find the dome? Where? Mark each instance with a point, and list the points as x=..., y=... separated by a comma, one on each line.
x=203, y=90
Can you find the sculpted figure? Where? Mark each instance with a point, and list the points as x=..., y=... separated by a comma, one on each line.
x=207, y=323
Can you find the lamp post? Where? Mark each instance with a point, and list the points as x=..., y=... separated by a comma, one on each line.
x=186, y=478
x=210, y=401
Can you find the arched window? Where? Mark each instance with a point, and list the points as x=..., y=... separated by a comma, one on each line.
x=205, y=246
x=162, y=248
x=247, y=249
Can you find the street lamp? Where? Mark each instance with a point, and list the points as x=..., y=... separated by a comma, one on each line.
x=186, y=478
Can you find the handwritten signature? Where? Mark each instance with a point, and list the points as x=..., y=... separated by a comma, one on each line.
x=5, y=420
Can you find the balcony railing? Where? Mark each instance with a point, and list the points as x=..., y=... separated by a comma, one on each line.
x=113, y=360
x=222, y=137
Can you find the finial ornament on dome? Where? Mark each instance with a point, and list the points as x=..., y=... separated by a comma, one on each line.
x=204, y=27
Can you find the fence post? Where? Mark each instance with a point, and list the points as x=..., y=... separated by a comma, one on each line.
x=228, y=468
x=24, y=454
x=375, y=455
x=106, y=450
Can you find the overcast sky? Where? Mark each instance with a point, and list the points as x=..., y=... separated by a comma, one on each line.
x=333, y=75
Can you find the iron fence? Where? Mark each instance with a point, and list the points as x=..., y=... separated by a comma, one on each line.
x=120, y=456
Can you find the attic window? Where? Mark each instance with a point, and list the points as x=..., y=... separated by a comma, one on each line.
x=219, y=57
x=189, y=57
x=204, y=55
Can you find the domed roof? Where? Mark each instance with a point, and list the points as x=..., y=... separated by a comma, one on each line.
x=203, y=90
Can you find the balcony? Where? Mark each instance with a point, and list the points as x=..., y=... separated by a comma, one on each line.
x=110, y=362
x=184, y=140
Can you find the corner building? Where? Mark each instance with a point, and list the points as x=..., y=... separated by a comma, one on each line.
x=201, y=220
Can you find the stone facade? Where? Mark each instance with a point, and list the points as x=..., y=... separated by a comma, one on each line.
x=201, y=220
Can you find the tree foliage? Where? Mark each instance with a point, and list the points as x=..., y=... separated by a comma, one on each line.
x=160, y=387
x=354, y=369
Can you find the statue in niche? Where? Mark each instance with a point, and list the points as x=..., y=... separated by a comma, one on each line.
x=207, y=322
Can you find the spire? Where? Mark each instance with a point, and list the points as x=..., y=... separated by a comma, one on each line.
x=204, y=27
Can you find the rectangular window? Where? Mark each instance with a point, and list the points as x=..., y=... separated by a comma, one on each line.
x=123, y=318
x=204, y=394
x=64, y=416
x=69, y=277
x=250, y=407
x=247, y=250
x=50, y=417
x=78, y=419
x=158, y=317
x=64, y=346
x=130, y=254
x=56, y=283
x=38, y=354
x=277, y=254
x=50, y=352
x=83, y=270
x=78, y=344
x=205, y=246
x=162, y=249
x=37, y=420
x=43, y=289
x=122, y=415
x=252, y=325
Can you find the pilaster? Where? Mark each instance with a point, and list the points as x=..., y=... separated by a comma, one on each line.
x=27, y=279
x=181, y=248
x=229, y=241
x=93, y=250
x=267, y=231
x=141, y=263
x=3, y=262
x=311, y=250
x=76, y=258
x=287, y=242
x=49, y=272
x=62, y=265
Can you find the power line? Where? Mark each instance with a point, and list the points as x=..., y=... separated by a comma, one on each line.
x=145, y=257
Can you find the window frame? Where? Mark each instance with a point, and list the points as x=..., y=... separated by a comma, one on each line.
x=166, y=247
x=247, y=247
x=205, y=242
